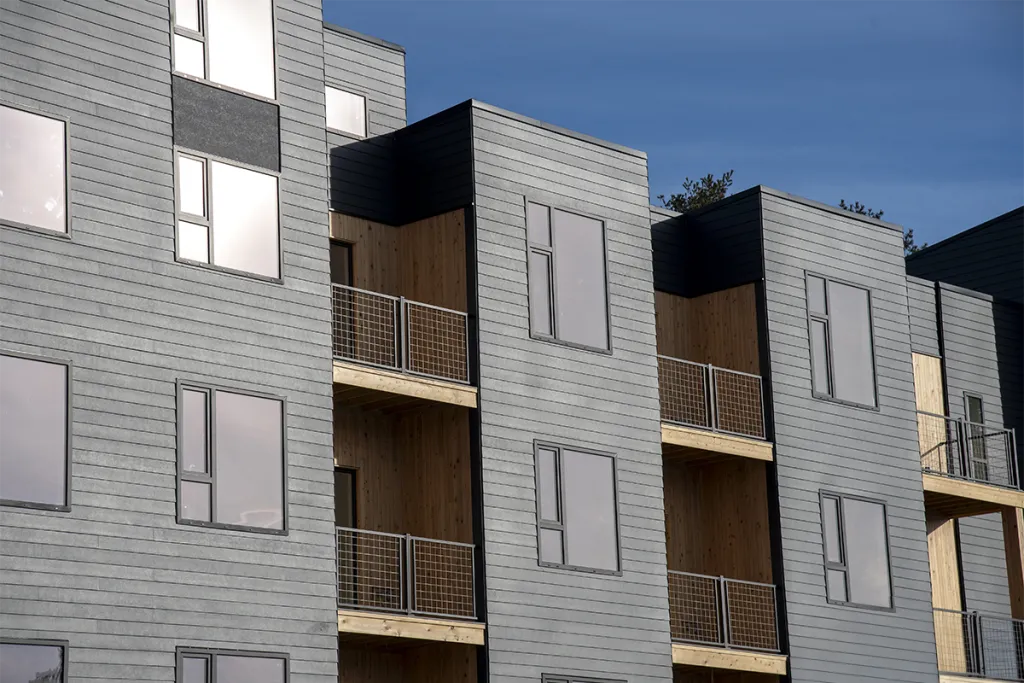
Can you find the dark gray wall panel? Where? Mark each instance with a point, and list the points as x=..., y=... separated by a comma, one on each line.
x=924, y=326
x=824, y=445
x=217, y=121
x=669, y=245
x=435, y=164
x=117, y=576
x=988, y=258
x=724, y=244
x=543, y=619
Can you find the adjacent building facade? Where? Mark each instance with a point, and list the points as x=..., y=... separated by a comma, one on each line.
x=294, y=391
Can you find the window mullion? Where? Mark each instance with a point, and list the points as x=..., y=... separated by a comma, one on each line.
x=208, y=178
x=211, y=434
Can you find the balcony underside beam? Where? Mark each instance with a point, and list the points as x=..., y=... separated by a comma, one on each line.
x=369, y=387
x=731, y=660
x=389, y=629
x=690, y=443
x=956, y=498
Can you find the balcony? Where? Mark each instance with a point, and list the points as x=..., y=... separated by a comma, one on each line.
x=979, y=646
x=390, y=351
x=402, y=586
x=968, y=468
x=707, y=409
x=724, y=624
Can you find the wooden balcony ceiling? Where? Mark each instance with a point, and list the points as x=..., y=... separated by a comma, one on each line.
x=397, y=630
x=704, y=657
x=955, y=498
x=375, y=388
x=691, y=444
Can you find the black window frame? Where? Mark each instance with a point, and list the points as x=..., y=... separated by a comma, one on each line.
x=64, y=645
x=207, y=221
x=68, y=437
x=826, y=318
x=977, y=449
x=201, y=37
x=66, y=121
x=211, y=429
x=348, y=90
x=550, y=252
x=570, y=678
x=559, y=525
x=843, y=565
x=210, y=654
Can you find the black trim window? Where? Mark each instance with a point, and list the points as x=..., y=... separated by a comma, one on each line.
x=227, y=666
x=33, y=661
x=856, y=546
x=35, y=432
x=231, y=459
x=577, y=517
x=841, y=340
x=561, y=678
x=974, y=410
x=567, y=277
x=227, y=42
x=346, y=111
x=33, y=170
x=227, y=215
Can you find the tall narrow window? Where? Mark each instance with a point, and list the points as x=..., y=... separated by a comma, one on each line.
x=842, y=354
x=33, y=170
x=974, y=407
x=229, y=42
x=568, y=284
x=32, y=662
x=856, y=543
x=346, y=112
x=207, y=666
x=230, y=459
x=34, y=439
x=227, y=216
x=576, y=509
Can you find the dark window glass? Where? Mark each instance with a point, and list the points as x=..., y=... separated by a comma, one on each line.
x=867, y=553
x=341, y=263
x=194, y=438
x=235, y=669
x=28, y=663
x=581, y=307
x=853, y=370
x=33, y=431
x=590, y=518
x=975, y=410
x=345, y=498
x=540, y=293
x=195, y=670
x=32, y=172
x=249, y=461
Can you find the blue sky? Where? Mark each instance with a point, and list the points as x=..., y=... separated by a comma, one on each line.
x=916, y=108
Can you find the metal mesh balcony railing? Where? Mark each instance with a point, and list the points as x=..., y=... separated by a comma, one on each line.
x=394, y=333
x=965, y=450
x=973, y=644
x=403, y=573
x=713, y=610
x=710, y=397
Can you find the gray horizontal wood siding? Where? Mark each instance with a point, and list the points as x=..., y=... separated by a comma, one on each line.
x=548, y=620
x=988, y=258
x=116, y=576
x=363, y=169
x=825, y=445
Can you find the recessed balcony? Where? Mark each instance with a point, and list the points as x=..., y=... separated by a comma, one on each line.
x=979, y=647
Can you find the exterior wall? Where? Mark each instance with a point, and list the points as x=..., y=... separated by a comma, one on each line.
x=826, y=445
x=546, y=620
x=116, y=576
x=988, y=258
x=363, y=169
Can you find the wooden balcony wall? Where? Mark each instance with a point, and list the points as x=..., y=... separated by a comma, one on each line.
x=424, y=260
x=701, y=675
x=420, y=664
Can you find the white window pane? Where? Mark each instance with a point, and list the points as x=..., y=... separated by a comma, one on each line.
x=240, y=36
x=186, y=14
x=836, y=585
x=249, y=461
x=195, y=501
x=538, y=224
x=591, y=531
x=852, y=367
x=540, y=293
x=32, y=172
x=346, y=112
x=188, y=57
x=194, y=431
x=581, y=306
x=236, y=669
x=195, y=670
x=193, y=242
x=816, y=295
x=551, y=546
x=191, y=186
x=867, y=556
x=819, y=356
x=830, y=522
x=547, y=481
x=244, y=214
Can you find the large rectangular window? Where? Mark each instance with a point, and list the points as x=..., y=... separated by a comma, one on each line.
x=33, y=170
x=33, y=661
x=227, y=215
x=229, y=42
x=230, y=459
x=856, y=544
x=346, y=112
x=568, y=283
x=576, y=509
x=222, y=666
x=35, y=445
x=842, y=354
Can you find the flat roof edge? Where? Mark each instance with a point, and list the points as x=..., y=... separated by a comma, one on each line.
x=830, y=209
x=379, y=42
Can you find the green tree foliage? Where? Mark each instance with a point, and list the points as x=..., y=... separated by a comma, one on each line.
x=698, y=193
x=909, y=247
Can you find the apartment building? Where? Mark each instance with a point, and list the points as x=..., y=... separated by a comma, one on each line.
x=294, y=391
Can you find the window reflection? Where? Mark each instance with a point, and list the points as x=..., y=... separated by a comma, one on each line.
x=32, y=170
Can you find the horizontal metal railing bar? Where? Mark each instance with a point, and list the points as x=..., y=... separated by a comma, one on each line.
x=349, y=288
x=458, y=544
x=717, y=578
x=706, y=365
x=436, y=308
x=368, y=532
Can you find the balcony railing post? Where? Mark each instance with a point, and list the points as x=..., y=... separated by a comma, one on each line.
x=724, y=597
x=1011, y=451
x=409, y=584
x=712, y=412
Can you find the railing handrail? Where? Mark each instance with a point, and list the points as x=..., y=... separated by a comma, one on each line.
x=368, y=532
x=710, y=365
x=458, y=544
x=721, y=578
x=976, y=613
x=964, y=442
x=350, y=288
